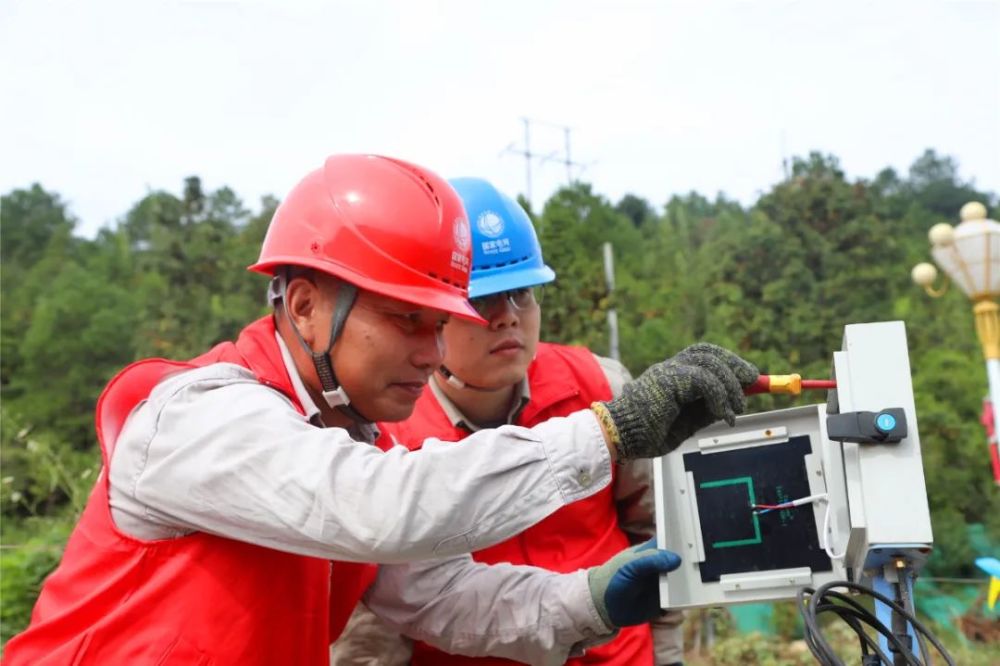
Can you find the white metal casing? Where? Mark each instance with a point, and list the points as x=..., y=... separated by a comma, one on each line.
x=886, y=493
x=877, y=496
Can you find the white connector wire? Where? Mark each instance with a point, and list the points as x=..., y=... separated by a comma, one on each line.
x=827, y=529
x=827, y=532
x=808, y=500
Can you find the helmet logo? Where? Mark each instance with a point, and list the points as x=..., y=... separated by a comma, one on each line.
x=490, y=224
x=463, y=239
x=460, y=232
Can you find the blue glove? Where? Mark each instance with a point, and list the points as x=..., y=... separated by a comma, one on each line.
x=626, y=588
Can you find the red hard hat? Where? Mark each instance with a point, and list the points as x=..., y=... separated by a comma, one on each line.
x=382, y=224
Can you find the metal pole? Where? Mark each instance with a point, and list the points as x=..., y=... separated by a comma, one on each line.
x=569, y=162
x=987, y=315
x=897, y=584
x=609, y=267
x=527, y=158
x=609, y=280
x=993, y=375
x=613, y=334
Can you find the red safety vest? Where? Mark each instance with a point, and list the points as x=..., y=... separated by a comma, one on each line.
x=194, y=600
x=562, y=380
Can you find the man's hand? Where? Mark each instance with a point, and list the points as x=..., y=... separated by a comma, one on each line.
x=674, y=399
x=625, y=589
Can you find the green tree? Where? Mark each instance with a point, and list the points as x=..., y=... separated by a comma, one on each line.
x=776, y=281
x=35, y=240
x=934, y=185
x=573, y=227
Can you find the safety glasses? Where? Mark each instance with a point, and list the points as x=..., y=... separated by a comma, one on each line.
x=519, y=299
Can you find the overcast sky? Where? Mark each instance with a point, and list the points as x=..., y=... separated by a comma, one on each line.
x=102, y=101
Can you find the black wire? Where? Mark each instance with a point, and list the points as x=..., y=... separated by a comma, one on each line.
x=814, y=637
x=921, y=643
x=824, y=600
x=920, y=639
x=856, y=626
x=867, y=617
x=861, y=609
x=919, y=627
x=864, y=615
x=854, y=618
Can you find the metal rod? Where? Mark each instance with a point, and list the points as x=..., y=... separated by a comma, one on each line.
x=609, y=279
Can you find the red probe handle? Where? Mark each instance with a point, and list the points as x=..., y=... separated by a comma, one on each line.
x=789, y=384
x=762, y=385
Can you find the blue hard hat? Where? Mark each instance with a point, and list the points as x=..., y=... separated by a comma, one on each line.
x=505, y=250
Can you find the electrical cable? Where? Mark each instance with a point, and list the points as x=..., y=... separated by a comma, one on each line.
x=869, y=646
x=764, y=508
x=858, y=615
x=761, y=509
x=815, y=602
x=827, y=534
x=857, y=609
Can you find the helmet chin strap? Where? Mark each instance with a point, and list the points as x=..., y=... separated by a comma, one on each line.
x=453, y=380
x=333, y=393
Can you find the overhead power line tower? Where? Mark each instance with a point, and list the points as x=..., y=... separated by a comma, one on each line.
x=526, y=153
x=563, y=157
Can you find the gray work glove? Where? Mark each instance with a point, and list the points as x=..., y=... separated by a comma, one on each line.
x=675, y=398
x=625, y=590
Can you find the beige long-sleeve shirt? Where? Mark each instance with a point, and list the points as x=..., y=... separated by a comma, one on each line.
x=213, y=450
x=368, y=641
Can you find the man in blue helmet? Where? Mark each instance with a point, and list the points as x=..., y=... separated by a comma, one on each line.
x=502, y=374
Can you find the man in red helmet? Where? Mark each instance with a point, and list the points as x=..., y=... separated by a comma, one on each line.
x=233, y=480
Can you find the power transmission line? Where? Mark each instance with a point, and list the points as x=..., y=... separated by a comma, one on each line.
x=564, y=157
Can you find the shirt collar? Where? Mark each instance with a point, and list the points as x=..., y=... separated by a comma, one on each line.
x=364, y=432
x=460, y=420
x=310, y=408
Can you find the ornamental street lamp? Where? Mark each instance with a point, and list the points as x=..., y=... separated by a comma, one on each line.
x=969, y=254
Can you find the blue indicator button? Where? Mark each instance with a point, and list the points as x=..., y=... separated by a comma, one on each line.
x=885, y=422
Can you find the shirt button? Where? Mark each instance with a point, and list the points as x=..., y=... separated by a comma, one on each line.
x=584, y=478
